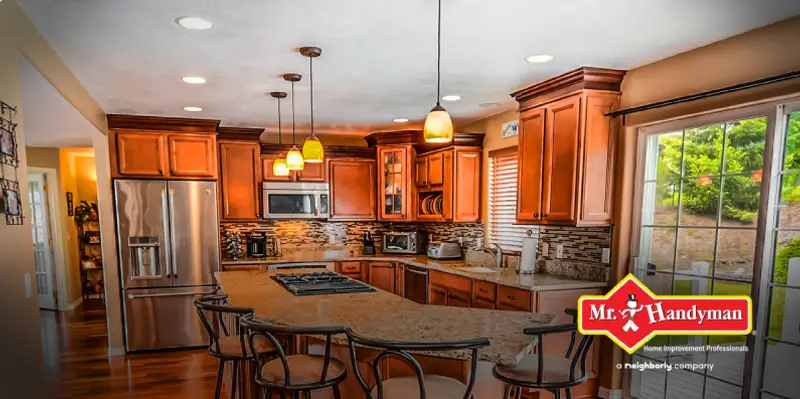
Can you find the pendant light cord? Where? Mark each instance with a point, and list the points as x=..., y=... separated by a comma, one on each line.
x=311, y=81
x=293, y=113
x=439, y=56
x=280, y=132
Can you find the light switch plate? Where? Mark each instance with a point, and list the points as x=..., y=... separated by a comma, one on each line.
x=331, y=239
x=545, y=249
x=606, y=258
x=28, y=286
x=559, y=251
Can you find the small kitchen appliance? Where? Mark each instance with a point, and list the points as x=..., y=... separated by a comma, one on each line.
x=444, y=250
x=295, y=200
x=404, y=242
x=320, y=283
x=257, y=244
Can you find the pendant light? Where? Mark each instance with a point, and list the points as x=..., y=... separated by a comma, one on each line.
x=279, y=167
x=438, y=126
x=312, y=147
x=294, y=159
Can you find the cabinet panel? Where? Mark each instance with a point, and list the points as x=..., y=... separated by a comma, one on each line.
x=514, y=298
x=394, y=183
x=458, y=298
x=381, y=275
x=467, y=190
x=240, y=173
x=352, y=187
x=266, y=170
x=561, y=161
x=483, y=304
x=435, y=169
x=312, y=172
x=531, y=157
x=598, y=153
x=421, y=171
x=449, y=281
x=141, y=154
x=437, y=295
x=349, y=267
x=484, y=290
x=192, y=155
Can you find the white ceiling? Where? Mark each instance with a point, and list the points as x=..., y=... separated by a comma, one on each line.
x=379, y=56
x=50, y=120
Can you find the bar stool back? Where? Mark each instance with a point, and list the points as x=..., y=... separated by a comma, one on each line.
x=429, y=386
x=295, y=373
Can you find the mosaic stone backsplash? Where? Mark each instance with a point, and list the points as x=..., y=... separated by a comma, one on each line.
x=315, y=232
x=583, y=244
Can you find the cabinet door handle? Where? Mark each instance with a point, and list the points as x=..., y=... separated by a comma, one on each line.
x=512, y=297
x=536, y=215
x=483, y=290
x=544, y=215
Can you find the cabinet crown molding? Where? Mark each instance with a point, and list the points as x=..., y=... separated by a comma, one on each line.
x=239, y=133
x=581, y=78
x=146, y=122
x=331, y=151
x=417, y=139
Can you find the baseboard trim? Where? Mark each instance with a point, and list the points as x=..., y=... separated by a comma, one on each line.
x=74, y=304
x=606, y=393
x=119, y=351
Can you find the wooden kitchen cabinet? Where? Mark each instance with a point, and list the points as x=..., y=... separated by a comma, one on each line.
x=458, y=298
x=240, y=178
x=192, y=155
x=429, y=170
x=141, y=153
x=350, y=269
x=437, y=295
x=382, y=275
x=421, y=171
x=394, y=183
x=456, y=290
x=483, y=304
x=567, y=148
x=352, y=189
x=511, y=298
x=266, y=170
x=454, y=174
x=312, y=172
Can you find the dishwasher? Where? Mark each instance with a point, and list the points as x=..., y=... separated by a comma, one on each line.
x=415, y=284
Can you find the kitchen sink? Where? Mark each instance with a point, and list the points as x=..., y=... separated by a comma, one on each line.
x=476, y=269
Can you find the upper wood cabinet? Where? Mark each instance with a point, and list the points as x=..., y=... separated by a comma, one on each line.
x=162, y=148
x=312, y=172
x=567, y=148
x=266, y=170
x=429, y=170
x=352, y=188
x=240, y=180
x=192, y=155
x=454, y=176
x=394, y=183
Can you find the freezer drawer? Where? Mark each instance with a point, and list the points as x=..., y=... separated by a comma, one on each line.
x=160, y=318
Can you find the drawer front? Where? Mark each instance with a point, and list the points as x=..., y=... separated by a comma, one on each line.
x=485, y=290
x=447, y=280
x=350, y=267
x=515, y=298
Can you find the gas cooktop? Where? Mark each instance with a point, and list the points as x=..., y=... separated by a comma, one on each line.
x=320, y=283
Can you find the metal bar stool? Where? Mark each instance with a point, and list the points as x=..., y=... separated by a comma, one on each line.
x=434, y=386
x=229, y=346
x=295, y=373
x=552, y=373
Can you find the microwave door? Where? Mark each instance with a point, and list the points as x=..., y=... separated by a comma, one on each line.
x=143, y=231
x=290, y=205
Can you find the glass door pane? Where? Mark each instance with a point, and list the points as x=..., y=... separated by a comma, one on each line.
x=700, y=202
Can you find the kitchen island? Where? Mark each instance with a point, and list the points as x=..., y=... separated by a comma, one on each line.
x=383, y=315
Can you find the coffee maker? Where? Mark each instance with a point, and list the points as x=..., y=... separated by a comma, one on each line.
x=257, y=244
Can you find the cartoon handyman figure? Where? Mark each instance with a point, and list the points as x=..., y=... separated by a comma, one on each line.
x=630, y=312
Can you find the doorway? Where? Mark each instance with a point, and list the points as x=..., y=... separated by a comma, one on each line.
x=42, y=231
x=711, y=222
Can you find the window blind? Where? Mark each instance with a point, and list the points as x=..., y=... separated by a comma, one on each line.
x=503, y=171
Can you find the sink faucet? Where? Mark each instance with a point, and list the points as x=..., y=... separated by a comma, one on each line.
x=498, y=254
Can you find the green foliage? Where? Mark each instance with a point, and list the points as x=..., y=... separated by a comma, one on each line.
x=792, y=250
x=85, y=212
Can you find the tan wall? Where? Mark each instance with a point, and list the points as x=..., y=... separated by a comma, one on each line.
x=753, y=55
x=493, y=140
x=21, y=339
x=43, y=157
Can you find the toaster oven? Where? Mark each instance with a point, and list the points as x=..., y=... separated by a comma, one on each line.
x=404, y=242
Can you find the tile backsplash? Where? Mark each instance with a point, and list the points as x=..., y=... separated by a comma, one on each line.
x=315, y=232
x=580, y=243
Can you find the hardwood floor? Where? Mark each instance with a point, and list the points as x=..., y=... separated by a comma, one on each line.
x=78, y=365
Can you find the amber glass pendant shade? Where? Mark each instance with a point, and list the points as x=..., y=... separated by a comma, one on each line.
x=438, y=126
x=294, y=159
x=312, y=150
x=280, y=168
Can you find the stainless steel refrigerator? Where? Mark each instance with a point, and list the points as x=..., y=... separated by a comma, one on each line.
x=169, y=250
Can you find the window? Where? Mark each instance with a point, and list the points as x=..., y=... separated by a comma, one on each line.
x=503, y=172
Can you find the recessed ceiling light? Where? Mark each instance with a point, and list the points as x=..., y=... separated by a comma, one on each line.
x=195, y=80
x=400, y=120
x=193, y=23
x=538, y=59
x=192, y=109
x=451, y=98
x=489, y=105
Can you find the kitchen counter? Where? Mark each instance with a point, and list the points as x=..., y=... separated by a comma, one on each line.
x=382, y=315
x=532, y=282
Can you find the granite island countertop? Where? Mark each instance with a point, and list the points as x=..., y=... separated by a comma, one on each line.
x=382, y=315
x=532, y=282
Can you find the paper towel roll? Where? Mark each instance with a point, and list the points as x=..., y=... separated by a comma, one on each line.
x=527, y=259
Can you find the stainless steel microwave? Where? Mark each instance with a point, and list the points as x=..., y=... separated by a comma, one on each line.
x=295, y=200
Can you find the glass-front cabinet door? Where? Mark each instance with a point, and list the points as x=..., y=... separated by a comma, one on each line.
x=393, y=186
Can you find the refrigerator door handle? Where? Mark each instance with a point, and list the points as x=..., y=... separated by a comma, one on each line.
x=173, y=261
x=188, y=293
x=167, y=229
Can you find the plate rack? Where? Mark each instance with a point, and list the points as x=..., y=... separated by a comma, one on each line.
x=10, y=194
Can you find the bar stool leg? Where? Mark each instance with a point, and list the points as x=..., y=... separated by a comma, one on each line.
x=234, y=380
x=336, y=393
x=506, y=391
x=518, y=394
x=556, y=394
x=219, y=379
x=569, y=393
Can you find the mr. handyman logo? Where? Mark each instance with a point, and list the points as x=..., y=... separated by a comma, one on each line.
x=630, y=314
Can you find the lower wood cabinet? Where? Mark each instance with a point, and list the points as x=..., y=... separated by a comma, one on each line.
x=510, y=298
x=382, y=275
x=483, y=304
x=240, y=177
x=449, y=289
x=437, y=295
x=458, y=298
x=352, y=188
x=351, y=269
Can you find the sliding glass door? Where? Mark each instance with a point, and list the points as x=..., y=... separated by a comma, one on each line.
x=711, y=222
